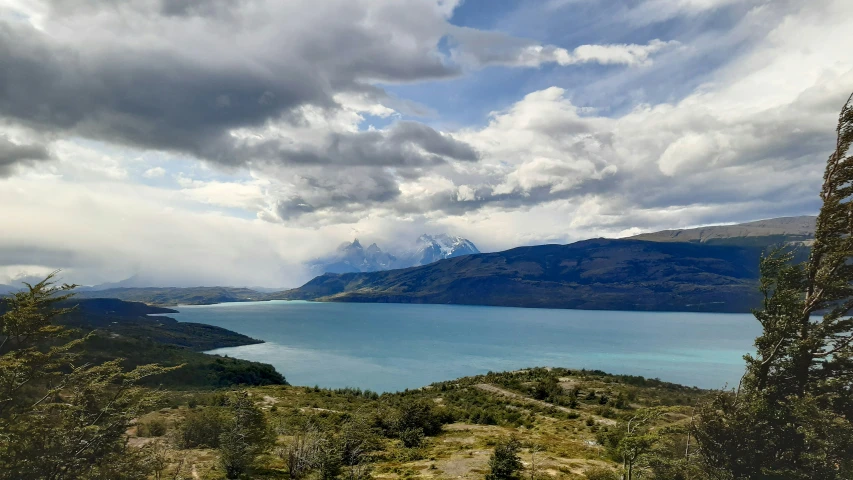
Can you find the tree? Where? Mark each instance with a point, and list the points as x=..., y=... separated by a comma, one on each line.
x=59, y=418
x=790, y=417
x=417, y=414
x=301, y=452
x=246, y=436
x=637, y=440
x=357, y=440
x=504, y=464
x=158, y=458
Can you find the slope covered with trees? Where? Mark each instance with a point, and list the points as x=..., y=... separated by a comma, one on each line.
x=593, y=274
x=170, y=296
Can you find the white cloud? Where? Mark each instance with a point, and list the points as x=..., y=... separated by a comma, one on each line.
x=477, y=48
x=620, y=54
x=155, y=172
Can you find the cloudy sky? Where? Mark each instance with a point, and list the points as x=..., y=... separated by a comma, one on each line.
x=229, y=141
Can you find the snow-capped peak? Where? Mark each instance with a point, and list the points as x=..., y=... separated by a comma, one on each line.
x=353, y=257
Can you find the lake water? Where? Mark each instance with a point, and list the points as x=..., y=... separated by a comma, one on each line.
x=389, y=347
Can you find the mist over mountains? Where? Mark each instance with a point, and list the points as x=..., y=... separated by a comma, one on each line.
x=711, y=268
x=353, y=257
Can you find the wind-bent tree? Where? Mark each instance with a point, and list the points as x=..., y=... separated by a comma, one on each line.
x=790, y=418
x=60, y=419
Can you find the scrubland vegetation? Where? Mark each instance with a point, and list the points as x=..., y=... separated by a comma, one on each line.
x=497, y=425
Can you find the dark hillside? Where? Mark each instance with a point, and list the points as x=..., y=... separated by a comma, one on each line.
x=592, y=274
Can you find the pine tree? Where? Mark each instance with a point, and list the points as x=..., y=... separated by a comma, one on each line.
x=60, y=419
x=790, y=418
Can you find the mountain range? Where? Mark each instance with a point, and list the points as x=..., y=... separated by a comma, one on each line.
x=353, y=257
x=710, y=269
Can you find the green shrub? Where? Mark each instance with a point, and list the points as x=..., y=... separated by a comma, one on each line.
x=202, y=428
x=600, y=473
x=504, y=463
x=155, y=427
x=412, y=437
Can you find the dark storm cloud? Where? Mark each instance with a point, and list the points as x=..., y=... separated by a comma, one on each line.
x=405, y=144
x=158, y=87
x=339, y=192
x=12, y=154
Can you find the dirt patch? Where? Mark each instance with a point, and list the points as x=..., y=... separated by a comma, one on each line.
x=139, y=442
x=471, y=465
x=316, y=409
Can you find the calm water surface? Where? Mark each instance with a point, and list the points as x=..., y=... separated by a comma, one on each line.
x=389, y=347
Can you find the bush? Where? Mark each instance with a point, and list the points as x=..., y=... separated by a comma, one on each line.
x=504, y=463
x=155, y=427
x=202, y=428
x=600, y=473
x=417, y=414
x=412, y=437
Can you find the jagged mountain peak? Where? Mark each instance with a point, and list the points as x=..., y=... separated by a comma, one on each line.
x=353, y=257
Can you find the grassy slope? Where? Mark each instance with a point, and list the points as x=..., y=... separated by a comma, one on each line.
x=484, y=409
x=593, y=274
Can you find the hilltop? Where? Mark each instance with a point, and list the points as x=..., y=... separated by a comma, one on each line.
x=758, y=233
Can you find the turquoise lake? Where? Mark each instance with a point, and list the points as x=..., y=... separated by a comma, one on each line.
x=389, y=347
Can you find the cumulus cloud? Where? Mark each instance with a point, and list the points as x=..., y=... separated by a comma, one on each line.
x=273, y=97
x=202, y=79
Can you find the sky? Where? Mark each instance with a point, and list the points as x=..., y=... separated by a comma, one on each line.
x=229, y=142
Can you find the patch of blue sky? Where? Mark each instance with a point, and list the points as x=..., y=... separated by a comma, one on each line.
x=612, y=90
x=377, y=122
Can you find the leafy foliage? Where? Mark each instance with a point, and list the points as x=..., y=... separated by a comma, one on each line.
x=246, y=436
x=60, y=419
x=504, y=463
x=791, y=416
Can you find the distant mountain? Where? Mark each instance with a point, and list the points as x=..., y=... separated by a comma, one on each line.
x=594, y=274
x=135, y=281
x=429, y=249
x=353, y=257
x=784, y=230
x=175, y=295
